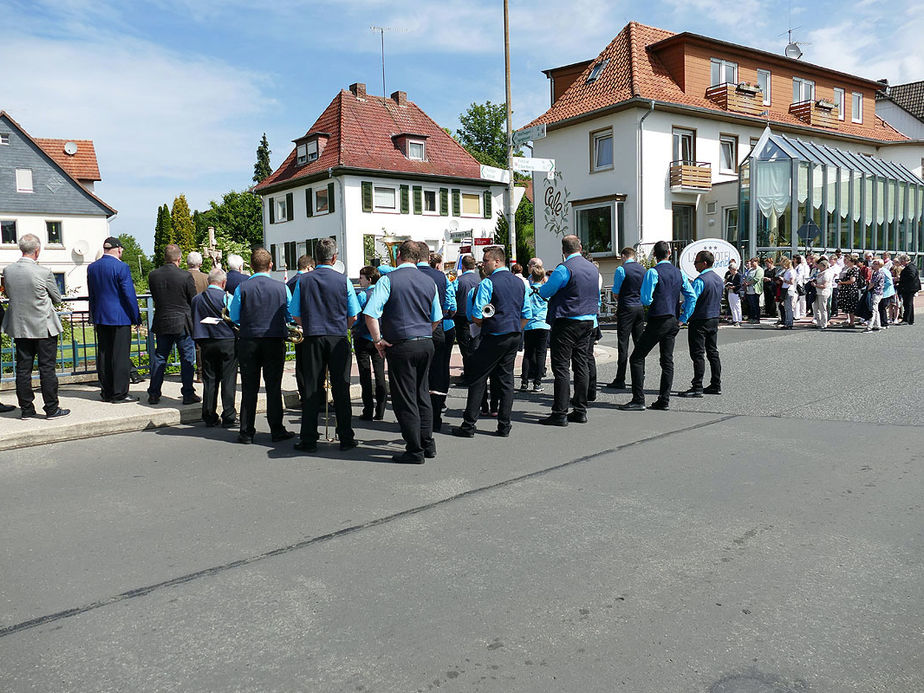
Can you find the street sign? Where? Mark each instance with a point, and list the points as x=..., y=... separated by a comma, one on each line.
x=537, y=132
x=527, y=164
x=496, y=174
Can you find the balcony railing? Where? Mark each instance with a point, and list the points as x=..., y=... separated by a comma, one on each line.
x=691, y=176
x=822, y=116
x=738, y=98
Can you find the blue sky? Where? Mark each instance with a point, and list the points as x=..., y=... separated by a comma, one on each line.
x=176, y=93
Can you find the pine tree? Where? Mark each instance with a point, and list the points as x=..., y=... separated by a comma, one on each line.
x=183, y=231
x=262, y=168
x=163, y=235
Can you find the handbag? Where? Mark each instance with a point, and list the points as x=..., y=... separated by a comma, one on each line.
x=800, y=289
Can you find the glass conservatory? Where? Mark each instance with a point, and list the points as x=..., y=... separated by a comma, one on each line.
x=795, y=196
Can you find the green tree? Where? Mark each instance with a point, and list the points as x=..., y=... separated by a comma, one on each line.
x=139, y=263
x=262, y=168
x=183, y=232
x=484, y=133
x=163, y=235
x=526, y=237
x=239, y=216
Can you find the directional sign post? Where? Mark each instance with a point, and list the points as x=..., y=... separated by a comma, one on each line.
x=529, y=164
x=537, y=132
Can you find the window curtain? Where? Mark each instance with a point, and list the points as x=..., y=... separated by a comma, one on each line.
x=773, y=186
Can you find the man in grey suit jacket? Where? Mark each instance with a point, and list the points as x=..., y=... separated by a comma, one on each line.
x=32, y=322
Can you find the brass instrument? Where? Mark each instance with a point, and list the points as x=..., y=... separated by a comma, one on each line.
x=294, y=333
x=226, y=316
x=487, y=311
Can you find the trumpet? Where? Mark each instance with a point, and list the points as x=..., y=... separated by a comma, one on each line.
x=294, y=333
x=488, y=311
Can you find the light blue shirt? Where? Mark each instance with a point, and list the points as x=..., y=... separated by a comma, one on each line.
x=697, y=286
x=619, y=276
x=382, y=292
x=484, y=292
x=234, y=309
x=561, y=275
x=539, y=308
x=353, y=307
x=889, y=289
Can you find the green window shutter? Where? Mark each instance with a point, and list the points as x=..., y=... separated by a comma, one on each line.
x=290, y=207
x=330, y=198
x=418, y=199
x=367, y=196
x=272, y=210
x=405, y=201
x=456, y=203
x=487, y=204
x=309, y=206
x=444, y=202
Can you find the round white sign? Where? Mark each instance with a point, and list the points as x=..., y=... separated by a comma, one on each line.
x=723, y=251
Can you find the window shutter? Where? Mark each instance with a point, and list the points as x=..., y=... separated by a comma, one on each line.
x=487, y=204
x=418, y=199
x=290, y=207
x=309, y=206
x=367, y=196
x=405, y=202
x=444, y=202
x=272, y=210
x=330, y=198
x=456, y=203
x=273, y=254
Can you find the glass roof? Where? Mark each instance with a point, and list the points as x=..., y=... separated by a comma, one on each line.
x=801, y=150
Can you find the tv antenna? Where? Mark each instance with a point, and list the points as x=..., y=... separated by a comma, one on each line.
x=382, y=30
x=793, y=49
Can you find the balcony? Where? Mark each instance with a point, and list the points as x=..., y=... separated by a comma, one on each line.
x=819, y=114
x=740, y=98
x=691, y=176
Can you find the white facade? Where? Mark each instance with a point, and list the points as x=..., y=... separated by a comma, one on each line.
x=900, y=119
x=348, y=223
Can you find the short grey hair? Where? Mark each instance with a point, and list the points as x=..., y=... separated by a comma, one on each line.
x=325, y=250
x=904, y=257
x=217, y=276
x=29, y=243
x=235, y=262
x=194, y=259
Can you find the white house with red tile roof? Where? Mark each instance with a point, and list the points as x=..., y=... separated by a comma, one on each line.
x=371, y=166
x=648, y=137
x=46, y=189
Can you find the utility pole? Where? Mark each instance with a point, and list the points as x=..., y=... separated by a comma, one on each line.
x=511, y=212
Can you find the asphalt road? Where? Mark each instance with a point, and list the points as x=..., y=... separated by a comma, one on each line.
x=766, y=541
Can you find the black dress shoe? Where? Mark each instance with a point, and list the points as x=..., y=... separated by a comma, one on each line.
x=502, y=432
x=712, y=390
x=692, y=392
x=228, y=423
x=577, y=417
x=348, y=445
x=282, y=435
x=60, y=412
x=407, y=458
x=660, y=405
x=4, y=408
x=554, y=420
x=365, y=417
x=430, y=452
x=306, y=446
x=192, y=399
x=125, y=400
x=244, y=439
x=632, y=405
x=135, y=379
x=616, y=385
x=460, y=432
x=153, y=399
x=28, y=414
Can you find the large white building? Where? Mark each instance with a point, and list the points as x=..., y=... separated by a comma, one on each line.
x=46, y=189
x=372, y=166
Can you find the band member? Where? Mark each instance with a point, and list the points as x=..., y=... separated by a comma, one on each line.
x=305, y=265
x=216, y=343
x=536, y=331
x=661, y=290
x=408, y=305
x=464, y=283
x=703, y=331
x=500, y=340
x=260, y=307
x=325, y=306
x=573, y=291
x=235, y=275
x=368, y=359
x=630, y=315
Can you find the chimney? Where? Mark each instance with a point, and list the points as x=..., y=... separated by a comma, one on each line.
x=358, y=89
x=400, y=98
x=885, y=86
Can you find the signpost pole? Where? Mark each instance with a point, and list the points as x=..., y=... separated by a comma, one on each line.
x=511, y=212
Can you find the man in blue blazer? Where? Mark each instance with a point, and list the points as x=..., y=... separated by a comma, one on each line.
x=113, y=310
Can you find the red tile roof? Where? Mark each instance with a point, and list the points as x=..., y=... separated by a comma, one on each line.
x=361, y=130
x=82, y=165
x=635, y=72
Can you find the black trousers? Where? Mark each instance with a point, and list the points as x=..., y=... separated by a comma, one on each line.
x=46, y=350
x=495, y=357
x=660, y=331
x=770, y=301
x=264, y=356
x=908, y=307
x=568, y=340
x=330, y=352
x=753, y=303
x=218, y=360
x=702, y=336
x=408, y=376
x=370, y=362
x=465, y=341
x=630, y=321
x=442, y=352
x=113, y=359
x=535, y=349
x=884, y=311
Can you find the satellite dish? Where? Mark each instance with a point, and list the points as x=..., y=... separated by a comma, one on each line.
x=70, y=148
x=340, y=267
x=80, y=248
x=793, y=51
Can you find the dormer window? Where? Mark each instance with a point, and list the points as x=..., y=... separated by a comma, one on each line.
x=723, y=72
x=411, y=144
x=416, y=150
x=596, y=70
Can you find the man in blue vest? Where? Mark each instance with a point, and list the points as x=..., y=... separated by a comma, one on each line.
x=630, y=315
x=500, y=341
x=260, y=307
x=443, y=335
x=573, y=292
x=407, y=303
x=305, y=265
x=325, y=305
x=464, y=283
x=702, y=319
x=216, y=341
x=661, y=290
